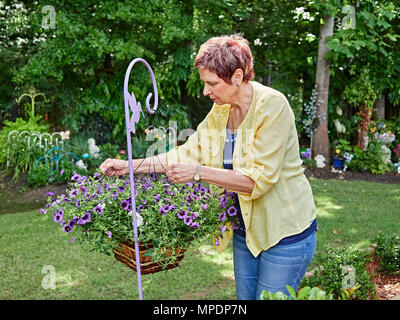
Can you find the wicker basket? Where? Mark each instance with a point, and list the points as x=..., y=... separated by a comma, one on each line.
x=128, y=257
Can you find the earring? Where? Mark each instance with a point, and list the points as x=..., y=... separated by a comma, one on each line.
x=237, y=84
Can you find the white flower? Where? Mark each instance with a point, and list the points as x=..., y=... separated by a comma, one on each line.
x=139, y=220
x=80, y=164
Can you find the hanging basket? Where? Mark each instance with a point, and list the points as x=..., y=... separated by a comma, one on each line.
x=128, y=257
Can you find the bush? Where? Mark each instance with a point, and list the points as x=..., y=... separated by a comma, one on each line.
x=388, y=251
x=21, y=157
x=305, y=293
x=343, y=269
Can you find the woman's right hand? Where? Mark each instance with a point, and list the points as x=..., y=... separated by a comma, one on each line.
x=114, y=167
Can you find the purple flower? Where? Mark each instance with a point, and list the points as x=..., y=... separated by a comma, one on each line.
x=222, y=216
x=50, y=194
x=59, y=211
x=107, y=187
x=121, y=189
x=73, y=193
x=96, y=175
x=61, y=172
x=165, y=209
x=182, y=214
x=75, y=176
x=188, y=220
x=85, y=219
x=125, y=204
x=67, y=228
x=222, y=228
x=234, y=226
x=195, y=215
x=57, y=218
x=84, y=190
x=140, y=208
x=99, y=209
x=43, y=211
x=72, y=240
x=109, y=234
x=157, y=197
x=232, y=211
x=195, y=225
x=204, y=206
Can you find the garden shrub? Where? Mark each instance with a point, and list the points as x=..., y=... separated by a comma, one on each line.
x=305, y=293
x=342, y=269
x=22, y=158
x=388, y=251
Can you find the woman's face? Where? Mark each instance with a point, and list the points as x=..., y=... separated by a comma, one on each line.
x=216, y=88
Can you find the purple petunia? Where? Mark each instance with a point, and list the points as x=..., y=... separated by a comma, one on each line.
x=156, y=197
x=232, y=211
x=124, y=204
x=43, y=211
x=182, y=214
x=188, y=220
x=121, y=189
x=165, y=209
x=85, y=219
x=109, y=234
x=67, y=228
x=73, y=193
x=195, y=225
x=99, y=209
x=222, y=228
x=57, y=218
x=204, y=206
x=50, y=194
x=222, y=216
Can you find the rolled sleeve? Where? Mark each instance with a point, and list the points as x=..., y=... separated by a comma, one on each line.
x=265, y=158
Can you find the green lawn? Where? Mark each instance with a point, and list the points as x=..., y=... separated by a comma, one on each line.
x=349, y=215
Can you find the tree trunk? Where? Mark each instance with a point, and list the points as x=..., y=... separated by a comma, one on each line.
x=379, y=108
x=320, y=137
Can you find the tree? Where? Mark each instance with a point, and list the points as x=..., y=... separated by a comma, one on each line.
x=321, y=137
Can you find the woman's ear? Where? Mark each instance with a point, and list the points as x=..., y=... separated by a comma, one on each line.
x=237, y=77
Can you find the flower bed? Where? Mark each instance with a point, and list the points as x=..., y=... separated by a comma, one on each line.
x=97, y=211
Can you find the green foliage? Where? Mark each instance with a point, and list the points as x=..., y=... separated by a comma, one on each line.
x=18, y=153
x=388, y=251
x=305, y=293
x=42, y=175
x=342, y=269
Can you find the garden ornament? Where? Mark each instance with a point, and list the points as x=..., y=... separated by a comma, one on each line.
x=135, y=107
x=397, y=165
x=54, y=155
x=32, y=94
x=348, y=157
x=320, y=159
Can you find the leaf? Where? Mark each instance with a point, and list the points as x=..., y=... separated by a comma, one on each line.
x=303, y=293
x=291, y=291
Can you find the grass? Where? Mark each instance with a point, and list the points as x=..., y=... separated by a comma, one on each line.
x=350, y=213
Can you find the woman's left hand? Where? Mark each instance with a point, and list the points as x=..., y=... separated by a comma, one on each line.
x=180, y=172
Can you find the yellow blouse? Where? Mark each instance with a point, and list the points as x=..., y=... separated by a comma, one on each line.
x=266, y=150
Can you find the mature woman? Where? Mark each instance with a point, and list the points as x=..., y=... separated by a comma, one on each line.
x=247, y=144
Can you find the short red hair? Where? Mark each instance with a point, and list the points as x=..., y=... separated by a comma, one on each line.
x=224, y=54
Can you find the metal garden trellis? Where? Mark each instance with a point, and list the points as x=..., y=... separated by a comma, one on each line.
x=136, y=108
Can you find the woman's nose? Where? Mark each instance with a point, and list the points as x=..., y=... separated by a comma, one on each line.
x=206, y=91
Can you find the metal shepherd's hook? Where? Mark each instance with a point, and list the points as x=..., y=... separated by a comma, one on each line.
x=136, y=108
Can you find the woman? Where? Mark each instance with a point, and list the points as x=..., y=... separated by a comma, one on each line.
x=247, y=144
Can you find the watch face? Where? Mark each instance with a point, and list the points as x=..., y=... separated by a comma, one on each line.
x=196, y=177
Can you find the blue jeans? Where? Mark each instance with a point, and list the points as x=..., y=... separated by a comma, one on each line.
x=272, y=269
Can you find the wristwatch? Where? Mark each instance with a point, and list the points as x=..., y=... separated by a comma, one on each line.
x=197, y=173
